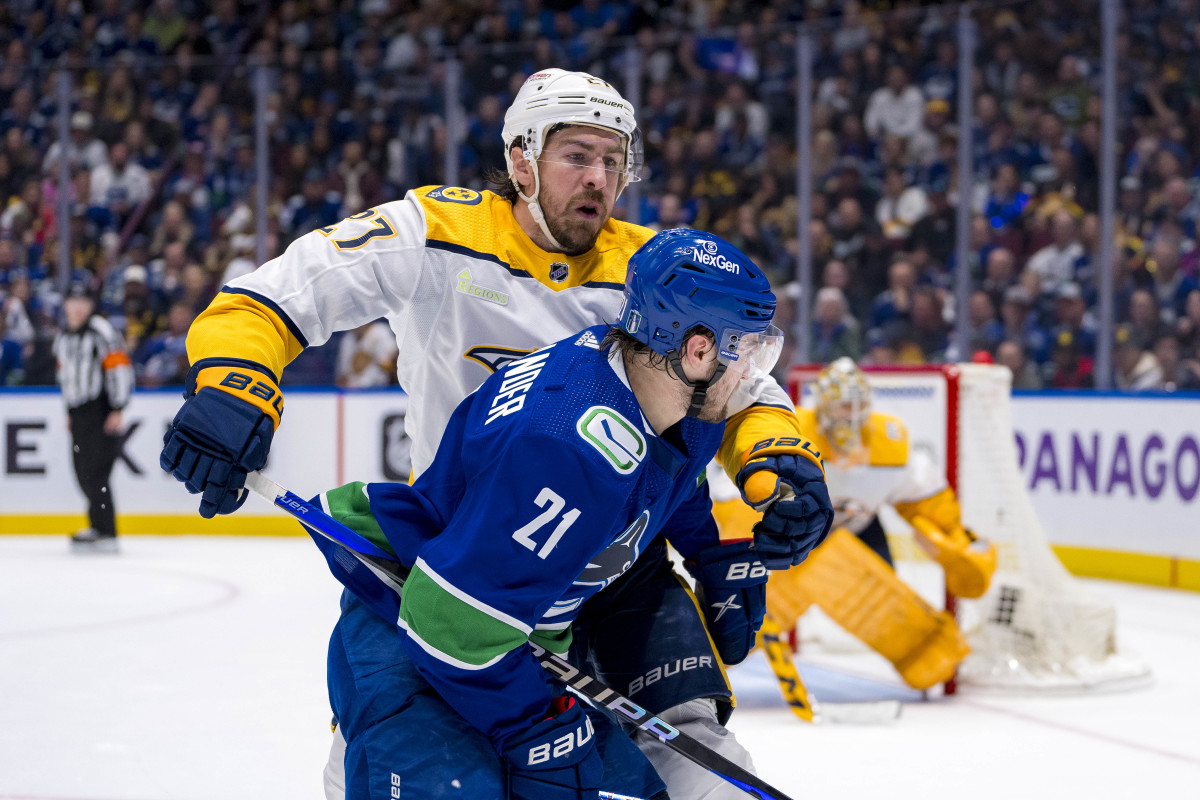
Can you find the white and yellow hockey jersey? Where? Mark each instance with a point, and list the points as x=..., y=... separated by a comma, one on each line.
x=462, y=287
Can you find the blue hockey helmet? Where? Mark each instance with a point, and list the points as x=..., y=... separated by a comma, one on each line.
x=682, y=278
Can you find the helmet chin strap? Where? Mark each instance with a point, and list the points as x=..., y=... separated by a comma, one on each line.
x=699, y=387
x=535, y=208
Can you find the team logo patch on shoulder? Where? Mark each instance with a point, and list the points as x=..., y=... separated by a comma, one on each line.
x=494, y=357
x=588, y=340
x=465, y=284
x=614, y=437
x=456, y=194
x=558, y=271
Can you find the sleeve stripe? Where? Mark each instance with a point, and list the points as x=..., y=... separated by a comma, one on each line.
x=478, y=605
x=445, y=657
x=267, y=302
x=114, y=359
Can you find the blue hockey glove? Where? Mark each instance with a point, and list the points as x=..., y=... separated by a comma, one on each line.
x=733, y=585
x=223, y=431
x=790, y=492
x=556, y=759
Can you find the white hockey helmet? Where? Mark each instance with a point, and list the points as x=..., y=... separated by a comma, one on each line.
x=553, y=97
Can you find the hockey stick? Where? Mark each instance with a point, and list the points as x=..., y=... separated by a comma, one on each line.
x=393, y=574
x=806, y=706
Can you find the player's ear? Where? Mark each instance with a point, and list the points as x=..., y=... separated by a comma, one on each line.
x=698, y=349
x=522, y=171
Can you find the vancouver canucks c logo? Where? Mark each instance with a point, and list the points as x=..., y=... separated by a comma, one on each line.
x=611, y=562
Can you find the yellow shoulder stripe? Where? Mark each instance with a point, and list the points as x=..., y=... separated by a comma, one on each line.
x=238, y=326
x=482, y=224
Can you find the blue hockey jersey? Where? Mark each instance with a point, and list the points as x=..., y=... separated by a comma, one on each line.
x=547, y=485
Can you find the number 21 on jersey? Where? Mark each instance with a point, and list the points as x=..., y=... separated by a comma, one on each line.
x=555, y=504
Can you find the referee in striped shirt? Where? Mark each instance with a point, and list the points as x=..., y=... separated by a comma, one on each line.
x=96, y=379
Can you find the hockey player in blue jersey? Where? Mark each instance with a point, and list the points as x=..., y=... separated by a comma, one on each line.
x=549, y=482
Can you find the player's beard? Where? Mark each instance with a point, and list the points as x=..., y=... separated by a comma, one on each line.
x=716, y=400
x=576, y=235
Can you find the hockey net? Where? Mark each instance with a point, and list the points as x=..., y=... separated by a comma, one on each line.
x=1038, y=627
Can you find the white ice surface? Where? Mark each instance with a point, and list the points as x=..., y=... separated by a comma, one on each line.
x=194, y=667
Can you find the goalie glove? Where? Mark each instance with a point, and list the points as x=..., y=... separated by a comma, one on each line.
x=787, y=484
x=223, y=431
x=733, y=592
x=968, y=560
x=556, y=759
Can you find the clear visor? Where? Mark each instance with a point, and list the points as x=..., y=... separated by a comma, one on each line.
x=607, y=154
x=752, y=354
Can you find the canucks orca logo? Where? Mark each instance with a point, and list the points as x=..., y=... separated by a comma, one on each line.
x=455, y=194
x=558, y=271
x=611, y=562
x=493, y=358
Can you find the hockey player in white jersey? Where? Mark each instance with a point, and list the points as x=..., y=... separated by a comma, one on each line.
x=468, y=281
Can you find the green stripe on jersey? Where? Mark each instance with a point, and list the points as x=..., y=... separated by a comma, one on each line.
x=350, y=506
x=451, y=629
x=558, y=642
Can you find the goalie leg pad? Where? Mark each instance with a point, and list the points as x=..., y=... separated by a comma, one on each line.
x=858, y=590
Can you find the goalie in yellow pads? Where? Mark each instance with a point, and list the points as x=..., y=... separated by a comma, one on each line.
x=868, y=463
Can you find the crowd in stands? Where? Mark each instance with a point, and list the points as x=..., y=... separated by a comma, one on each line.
x=162, y=165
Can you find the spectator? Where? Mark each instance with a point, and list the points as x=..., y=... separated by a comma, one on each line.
x=139, y=312
x=1171, y=285
x=1135, y=369
x=928, y=329
x=984, y=331
x=835, y=332
x=934, y=232
x=1178, y=374
x=358, y=184
x=119, y=185
x=849, y=229
x=165, y=25
x=163, y=360
x=313, y=208
x=1056, y=262
x=1072, y=316
x=1020, y=326
x=1000, y=274
x=83, y=149
x=1024, y=372
x=900, y=207
x=1145, y=321
x=895, y=108
x=894, y=304
x=1187, y=327
x=367, y=357
x=1068, y=367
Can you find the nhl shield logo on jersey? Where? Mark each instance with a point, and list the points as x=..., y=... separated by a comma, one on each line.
x=558, y=271
x=455, y=194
